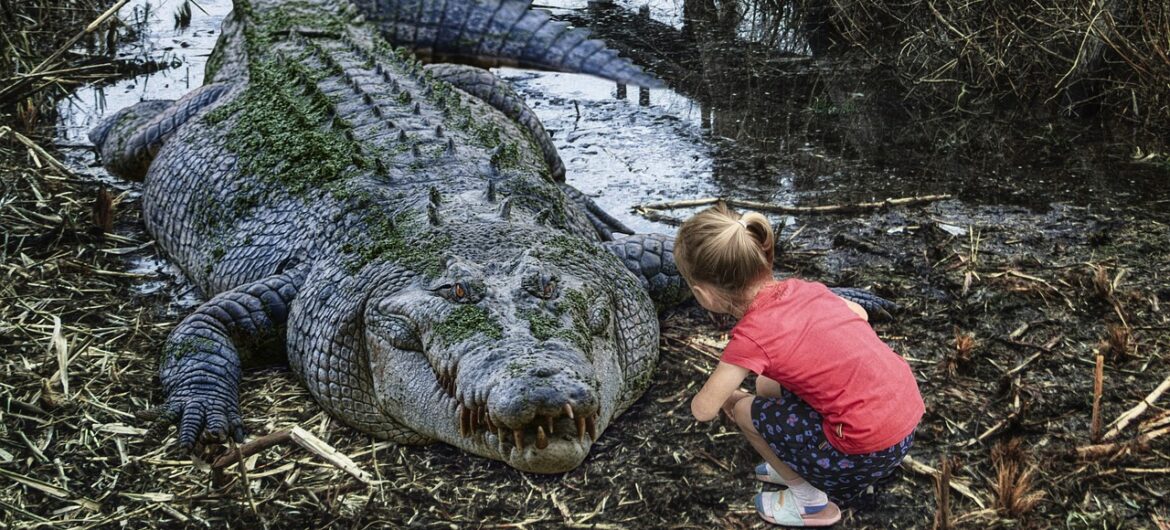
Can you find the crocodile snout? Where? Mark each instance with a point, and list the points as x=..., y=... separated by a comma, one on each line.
x=539, y=411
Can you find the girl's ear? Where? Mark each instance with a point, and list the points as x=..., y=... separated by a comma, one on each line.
x=706, y=297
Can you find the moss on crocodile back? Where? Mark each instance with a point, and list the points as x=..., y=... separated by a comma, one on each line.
x=280, y=130
x=402, y=239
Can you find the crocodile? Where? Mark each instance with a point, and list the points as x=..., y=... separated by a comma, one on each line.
x=400, y=234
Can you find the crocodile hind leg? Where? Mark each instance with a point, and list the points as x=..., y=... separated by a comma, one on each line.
x=200, y=370
x=496, y=92
x=129, y=139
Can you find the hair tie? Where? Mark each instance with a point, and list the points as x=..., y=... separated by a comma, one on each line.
x=742, y=223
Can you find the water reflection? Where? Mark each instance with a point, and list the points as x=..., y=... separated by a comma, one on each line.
x=836, y=130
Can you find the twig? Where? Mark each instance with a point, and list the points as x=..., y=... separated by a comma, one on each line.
x=1098, y=387
x=37, y=151
x=242, y=467
x=922, y=469
x=251, y=448
x=318, y=446
x=780, y=208
x=1122, y=421
x=1109, y=449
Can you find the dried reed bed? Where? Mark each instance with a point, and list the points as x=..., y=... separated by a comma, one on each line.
x=971, y=57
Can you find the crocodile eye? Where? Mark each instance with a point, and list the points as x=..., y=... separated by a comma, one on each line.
x=542, y=285
x=460, y=292
x=550, y=288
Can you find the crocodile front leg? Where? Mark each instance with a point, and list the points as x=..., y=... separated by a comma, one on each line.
x=200, y=370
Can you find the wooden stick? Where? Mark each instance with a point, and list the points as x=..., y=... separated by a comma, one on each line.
x=251, y=448
x=1098, y=387
x=780, y=208
x=1122, y=421
x=922, y=469
x=1109, y=449
x=318, y=446
x=942, y=490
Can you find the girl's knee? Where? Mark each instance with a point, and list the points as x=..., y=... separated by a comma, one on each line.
x=743, y=414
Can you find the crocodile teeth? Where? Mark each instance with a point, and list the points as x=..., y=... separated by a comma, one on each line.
x=591, y=426
x=548, y=420
x=519, y=436
x=581, y=427
x=541, y=439
x=487, y=420
x=464, y=421
x=568, y=411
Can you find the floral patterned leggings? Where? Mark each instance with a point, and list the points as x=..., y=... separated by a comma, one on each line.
x=793, y=430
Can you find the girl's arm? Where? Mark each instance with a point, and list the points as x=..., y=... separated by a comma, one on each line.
x=724, y=381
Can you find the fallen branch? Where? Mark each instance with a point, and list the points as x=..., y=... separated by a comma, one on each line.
x=1109, y=449
x=910, y=464
x=302, y=438
x=780, y=208
x=322, y=449
x=1122, y=421
x=251, y=448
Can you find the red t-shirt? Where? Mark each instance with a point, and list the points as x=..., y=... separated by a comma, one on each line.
x=803, y=336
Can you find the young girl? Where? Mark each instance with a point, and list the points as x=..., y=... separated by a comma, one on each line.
x=836, y=408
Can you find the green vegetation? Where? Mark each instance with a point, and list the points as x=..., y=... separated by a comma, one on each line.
x=403, y=240
x=280, y=132
x=465, y=322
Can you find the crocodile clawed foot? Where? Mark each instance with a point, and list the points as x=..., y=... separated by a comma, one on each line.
x=196, y=422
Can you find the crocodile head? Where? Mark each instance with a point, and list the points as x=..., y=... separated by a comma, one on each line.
x=521, y=350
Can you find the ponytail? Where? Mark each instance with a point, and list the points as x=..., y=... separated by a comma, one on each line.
x=721, y=248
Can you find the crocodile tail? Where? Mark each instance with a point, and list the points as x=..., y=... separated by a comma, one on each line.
x=498, y=33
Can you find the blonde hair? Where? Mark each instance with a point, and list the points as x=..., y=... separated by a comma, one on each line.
x=721, y=248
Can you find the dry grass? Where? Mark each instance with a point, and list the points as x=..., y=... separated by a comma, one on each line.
x=958, y=358
x=1014, y=485
x=974, y=56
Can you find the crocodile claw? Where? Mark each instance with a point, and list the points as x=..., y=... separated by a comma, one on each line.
x=197, y=421
x=879, y=308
